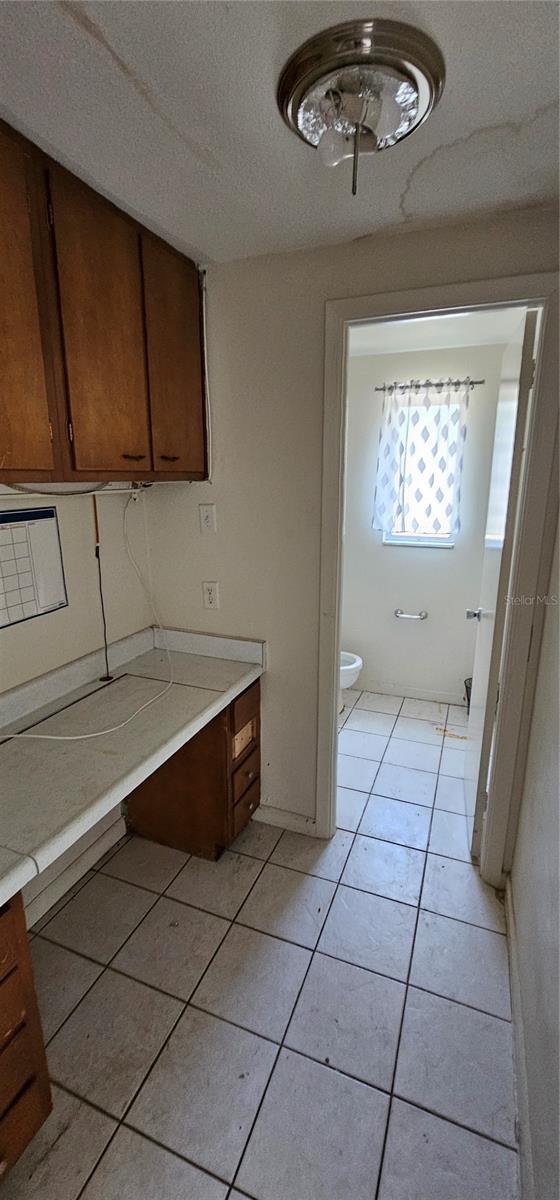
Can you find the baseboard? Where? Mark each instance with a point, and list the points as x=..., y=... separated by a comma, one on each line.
x=50, y=886
x=385, y=688
x=295, y=822
x=527, y=1191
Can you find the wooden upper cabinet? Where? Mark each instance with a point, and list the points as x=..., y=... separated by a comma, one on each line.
x=100, y=291
x=101, y=356
x=174, y=349
x=25, y=429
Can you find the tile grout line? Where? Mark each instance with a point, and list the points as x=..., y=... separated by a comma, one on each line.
x=109, y=965
x=289, y=1021
x=185, y=1006
x=244, y=924
x=405, y=1001
x=120, y=1122
x=105, y=966
x=225, y=1020
x=285, y=941
x=67, y=1018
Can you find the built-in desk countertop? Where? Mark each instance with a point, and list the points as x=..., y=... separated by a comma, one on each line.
x=54, y=792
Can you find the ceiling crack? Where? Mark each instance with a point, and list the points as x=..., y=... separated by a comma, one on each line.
x=77, y=13
x=515, y=127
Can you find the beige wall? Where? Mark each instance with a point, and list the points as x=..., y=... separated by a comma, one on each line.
x=265, y=332
x=428, y=658
x=534, y=885
x=49, y=641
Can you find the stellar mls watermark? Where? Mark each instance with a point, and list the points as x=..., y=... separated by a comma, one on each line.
x=529, y=601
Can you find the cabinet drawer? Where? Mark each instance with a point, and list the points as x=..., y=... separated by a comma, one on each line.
x=13, y=1009
x=8, y=941
x=20, y=1123
x=246, y=707
x=244, y=810
x=16, y=1067
x=244, y=776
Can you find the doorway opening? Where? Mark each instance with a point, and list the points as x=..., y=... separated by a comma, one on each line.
x=431, y=435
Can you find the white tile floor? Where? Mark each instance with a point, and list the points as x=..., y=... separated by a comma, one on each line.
x=300, y=1021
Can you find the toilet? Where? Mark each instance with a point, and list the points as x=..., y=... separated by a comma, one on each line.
x=349, y=670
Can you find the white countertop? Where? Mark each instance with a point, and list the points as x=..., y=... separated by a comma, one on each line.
x=54, y=792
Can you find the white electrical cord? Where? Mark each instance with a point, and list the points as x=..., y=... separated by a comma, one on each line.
x=79, y=737
x=97, y=490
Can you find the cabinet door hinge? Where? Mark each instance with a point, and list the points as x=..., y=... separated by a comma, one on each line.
x=51, y=431
x=50, y=215
x=70, y=431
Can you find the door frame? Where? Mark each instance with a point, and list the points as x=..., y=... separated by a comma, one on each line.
x=532, y=552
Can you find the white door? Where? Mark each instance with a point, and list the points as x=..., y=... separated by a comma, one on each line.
x=490, y=613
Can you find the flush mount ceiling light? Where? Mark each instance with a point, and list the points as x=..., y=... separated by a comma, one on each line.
x=360, y=87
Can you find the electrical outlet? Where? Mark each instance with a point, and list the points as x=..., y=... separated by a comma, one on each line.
x=210, y=594
x=207, y=518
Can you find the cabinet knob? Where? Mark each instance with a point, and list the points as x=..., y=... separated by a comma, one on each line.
x=169, y=457
x=251, y=806
x=134, y=457
x=3, y=1167
x=250, y=774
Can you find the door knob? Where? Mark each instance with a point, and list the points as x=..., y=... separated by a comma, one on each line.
x=473, y=614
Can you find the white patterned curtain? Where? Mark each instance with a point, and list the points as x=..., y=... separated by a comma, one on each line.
x=420, y=459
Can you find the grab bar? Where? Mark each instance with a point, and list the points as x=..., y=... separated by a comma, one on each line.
x=421, y=616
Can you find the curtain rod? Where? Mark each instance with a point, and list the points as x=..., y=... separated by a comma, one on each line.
x=430, y=383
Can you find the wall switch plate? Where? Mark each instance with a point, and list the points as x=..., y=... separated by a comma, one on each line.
x=207, y=518
x=210, y=594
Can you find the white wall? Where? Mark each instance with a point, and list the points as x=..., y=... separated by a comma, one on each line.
x=265, y=330
x=48, y=641
x=431, y=658
x=534, y=885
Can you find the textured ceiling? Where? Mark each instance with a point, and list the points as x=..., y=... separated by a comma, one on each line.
x=169, y=108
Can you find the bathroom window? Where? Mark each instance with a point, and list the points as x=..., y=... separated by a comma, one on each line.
x=419, y=467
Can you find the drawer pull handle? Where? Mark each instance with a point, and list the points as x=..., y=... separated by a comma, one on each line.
x=169, y=457
x=134, y=457
x=252, y=806
x=4, y=958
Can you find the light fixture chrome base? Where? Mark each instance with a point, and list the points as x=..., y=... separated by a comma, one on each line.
x=360, y=87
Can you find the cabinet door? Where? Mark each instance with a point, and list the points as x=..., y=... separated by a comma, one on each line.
x=100, y=288
x=173, y=334
x=25, y=431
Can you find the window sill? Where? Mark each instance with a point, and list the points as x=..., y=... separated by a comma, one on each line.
x=419, y=543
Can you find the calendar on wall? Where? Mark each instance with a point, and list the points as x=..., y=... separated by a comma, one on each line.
x=31, y=568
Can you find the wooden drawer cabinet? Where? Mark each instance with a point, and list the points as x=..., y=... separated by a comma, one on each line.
x=245, y=808
x=20, y=1123
x=17, y=1067
x=25, y=1100
x=101, y=348
x=13, y=1007
x=244, y=775
x=205, y=794
x=8, y=941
